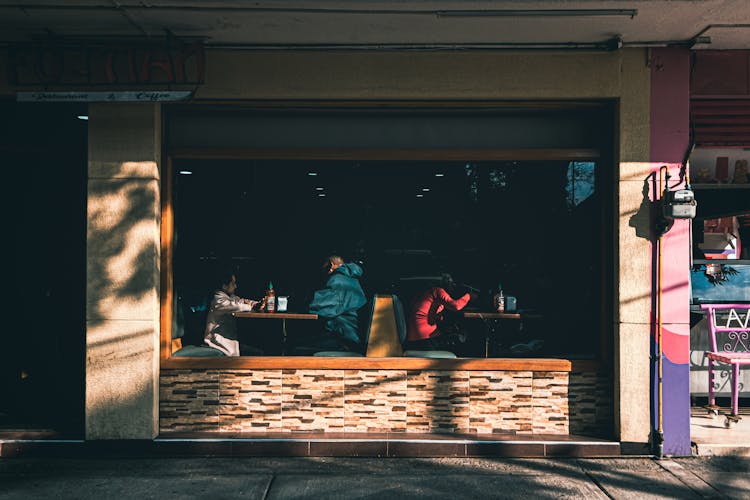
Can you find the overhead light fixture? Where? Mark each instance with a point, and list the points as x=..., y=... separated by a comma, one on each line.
x=321, y=195
x=83, y=117
x=631, y=13
x=312, y=174
x=185, y=172
x=319, y=188
x=439, y=174
x=420, y=196
x=425, y=190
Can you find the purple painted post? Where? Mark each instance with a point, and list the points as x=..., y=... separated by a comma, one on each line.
x=670, y=122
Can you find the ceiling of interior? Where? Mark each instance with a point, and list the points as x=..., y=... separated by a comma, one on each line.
x=399, y=24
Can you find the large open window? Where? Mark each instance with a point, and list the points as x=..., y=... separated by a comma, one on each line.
x=533, y=219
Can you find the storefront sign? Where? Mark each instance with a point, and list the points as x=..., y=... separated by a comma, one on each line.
x=102, y=96
x=105, y=64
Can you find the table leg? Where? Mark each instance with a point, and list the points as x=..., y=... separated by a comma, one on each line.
x=283, y=336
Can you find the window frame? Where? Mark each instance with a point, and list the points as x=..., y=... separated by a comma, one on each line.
x=167, y=361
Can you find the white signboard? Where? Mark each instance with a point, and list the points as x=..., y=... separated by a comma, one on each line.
x=105, y=96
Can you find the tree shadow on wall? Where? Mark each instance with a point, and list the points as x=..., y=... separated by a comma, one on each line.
x=117, y=271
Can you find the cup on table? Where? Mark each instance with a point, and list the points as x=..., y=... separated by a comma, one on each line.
x=281, y=303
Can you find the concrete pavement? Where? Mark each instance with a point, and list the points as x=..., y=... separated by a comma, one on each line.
x=366, y=478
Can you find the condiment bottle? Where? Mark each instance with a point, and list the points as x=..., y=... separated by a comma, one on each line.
x=270, y=298
x=498, y=301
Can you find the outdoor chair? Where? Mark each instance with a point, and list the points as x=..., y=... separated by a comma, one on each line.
x=729, y=330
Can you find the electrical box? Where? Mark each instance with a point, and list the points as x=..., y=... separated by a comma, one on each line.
x=680, y=204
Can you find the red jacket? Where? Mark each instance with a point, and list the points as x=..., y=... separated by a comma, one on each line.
x=426, y=309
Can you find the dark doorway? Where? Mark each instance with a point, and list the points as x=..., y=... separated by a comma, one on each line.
x=44, y=151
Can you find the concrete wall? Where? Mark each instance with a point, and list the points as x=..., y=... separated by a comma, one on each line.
x=122, y=293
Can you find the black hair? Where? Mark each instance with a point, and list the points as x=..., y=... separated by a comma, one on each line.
x=446, y=281
x=224, y=275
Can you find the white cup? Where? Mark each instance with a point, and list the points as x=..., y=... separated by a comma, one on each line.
x=281, y=303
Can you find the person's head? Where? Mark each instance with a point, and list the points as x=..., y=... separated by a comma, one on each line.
x=332, y=263
x=228, y=282
x=446, y=281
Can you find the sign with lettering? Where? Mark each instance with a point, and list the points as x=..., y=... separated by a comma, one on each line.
x=105, y=96
x=104, y=64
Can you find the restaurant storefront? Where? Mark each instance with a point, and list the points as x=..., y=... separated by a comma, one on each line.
x=720, y=112
x=545, y=161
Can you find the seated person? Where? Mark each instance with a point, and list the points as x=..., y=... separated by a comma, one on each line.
x=338, y=304
x=221, y=326
x=426, y=328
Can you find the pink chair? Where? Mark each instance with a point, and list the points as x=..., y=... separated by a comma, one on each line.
x=729, y=328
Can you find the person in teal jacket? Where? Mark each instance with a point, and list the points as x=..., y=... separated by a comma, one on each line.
x=338, y=304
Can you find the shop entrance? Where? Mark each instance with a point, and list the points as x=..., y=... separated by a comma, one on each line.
x=42, y=355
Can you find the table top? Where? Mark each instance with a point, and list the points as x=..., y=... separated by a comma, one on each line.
x=491, y=315
x=275, y=315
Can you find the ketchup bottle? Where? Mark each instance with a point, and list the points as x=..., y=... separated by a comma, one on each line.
x=270, y=298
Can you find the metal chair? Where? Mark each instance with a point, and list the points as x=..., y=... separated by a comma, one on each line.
x=729, y=333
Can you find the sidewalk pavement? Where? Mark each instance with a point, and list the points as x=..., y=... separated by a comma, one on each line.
x=372, y=478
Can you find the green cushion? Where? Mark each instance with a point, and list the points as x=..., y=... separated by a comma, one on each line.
x=429, y=354
x=198, y=351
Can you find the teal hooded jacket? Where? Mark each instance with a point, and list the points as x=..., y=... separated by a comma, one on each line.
x=339, y=302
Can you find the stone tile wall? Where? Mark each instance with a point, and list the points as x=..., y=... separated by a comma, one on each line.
x=258, y=401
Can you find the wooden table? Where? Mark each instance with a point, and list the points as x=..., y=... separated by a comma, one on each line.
x=489, y=330
x=283, y=316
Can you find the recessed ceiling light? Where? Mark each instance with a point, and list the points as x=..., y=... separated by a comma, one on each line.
x=439, y=174
x=426, y=190
x=420, y=196
x=186, y=172
x=319, y=188
x=321, y=195
x=312, y=174
x=83, y=117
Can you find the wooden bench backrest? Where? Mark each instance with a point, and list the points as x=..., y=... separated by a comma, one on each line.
x=384, y=341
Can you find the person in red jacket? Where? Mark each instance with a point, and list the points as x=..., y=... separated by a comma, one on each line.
x=425, y=327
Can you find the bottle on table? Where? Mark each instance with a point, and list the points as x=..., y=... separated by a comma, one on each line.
x=270, y=298
x=498, y=301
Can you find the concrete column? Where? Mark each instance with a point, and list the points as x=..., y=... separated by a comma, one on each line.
x=632, y=327
x=122, y=255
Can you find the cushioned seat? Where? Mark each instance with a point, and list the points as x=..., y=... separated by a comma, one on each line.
x=197, y=351
x=345, y=354
x=398, y=309
x=338, y=354
x=429, y=354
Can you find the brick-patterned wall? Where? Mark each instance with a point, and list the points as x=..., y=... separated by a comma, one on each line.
x=258, y=401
